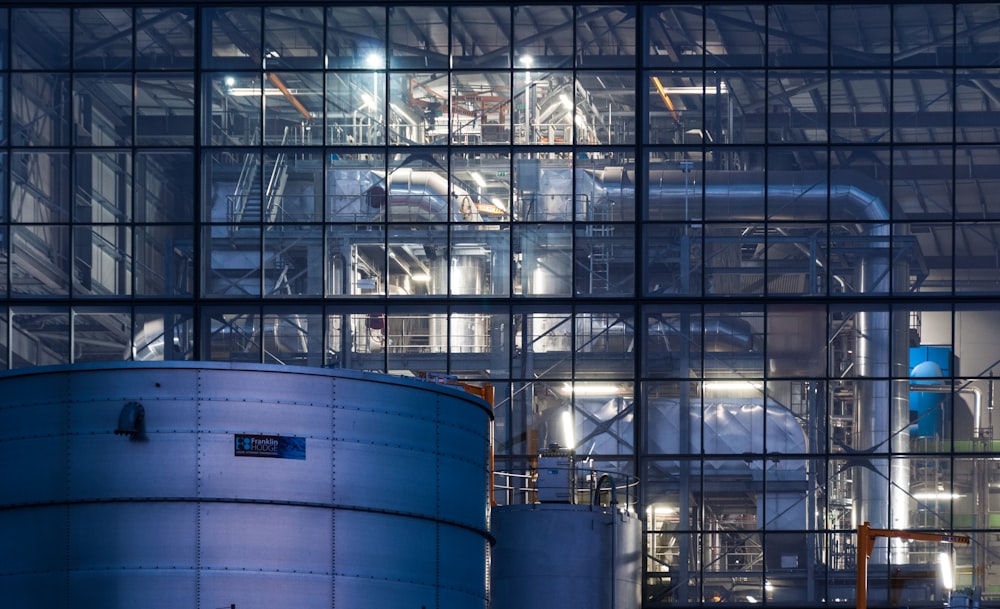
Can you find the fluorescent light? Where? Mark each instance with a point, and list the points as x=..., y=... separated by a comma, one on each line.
x=938, y=495
x=588, y=389
x=733, y=385
x=420, y=277
x=255, y=91
x=527, y=61
x=947, y=576
x=568, y=435
x=478, y=179
x=695, y=90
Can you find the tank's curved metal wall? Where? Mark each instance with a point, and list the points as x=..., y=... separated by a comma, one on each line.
x=387, y=507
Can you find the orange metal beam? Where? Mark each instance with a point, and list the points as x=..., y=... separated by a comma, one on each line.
x=866, y=543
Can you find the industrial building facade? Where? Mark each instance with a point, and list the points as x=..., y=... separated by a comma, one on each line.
x=745, y=254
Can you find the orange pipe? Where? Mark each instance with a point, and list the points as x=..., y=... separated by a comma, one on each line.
x=289, y=95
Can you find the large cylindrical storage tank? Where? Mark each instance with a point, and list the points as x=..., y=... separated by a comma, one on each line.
x=240, y=484
x=566, y=555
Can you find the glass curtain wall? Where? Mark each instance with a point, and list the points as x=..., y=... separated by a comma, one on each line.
x=749, y=251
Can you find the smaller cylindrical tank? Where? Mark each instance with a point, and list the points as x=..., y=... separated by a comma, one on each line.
x=565, y=555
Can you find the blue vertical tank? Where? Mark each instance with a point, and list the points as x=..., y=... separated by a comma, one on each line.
x=217, y=485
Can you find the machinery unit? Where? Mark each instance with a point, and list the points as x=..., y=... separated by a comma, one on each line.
x=569, y=539
x=211, y=485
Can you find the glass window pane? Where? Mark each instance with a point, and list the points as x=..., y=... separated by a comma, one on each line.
x=40, y=187
x=418, y=108
x=919, y=30
x=797, y=35
x=604, y=108
x=419, y=191
x=102, y=110
x=605, y=36
x=481, y=108
x=232, y=334
x=231, y=260
x=40, y=336
x=605, y=259
x=796, y=259
x=858, y=107
x=163, y=334
x=293, y=260
x=675, y=35
x=977, y=40
x=293, y=337
x=543, y=187
x=39, y=260
x=293, y=106
x=232, y=186
x=922, y=107
x=231, y=111
x=486, y=176
x=356, y=37
x=40, y=109
x=545, y=265
x=164, y=186
x=975, y=179
x=543, y=36
x=478, y=334
x=293, y=183
x=102, y=38
x=856, y=28
x=293, y=37
x=355, y=260
x=102, y=185
x=40, y=38
x=102, y=260
x=98, y=334
x=418, y=37
x=355, y=108
x=232, y=38
x=480, y=37
x=164, y=260
x=672, y=259
x=164, y=110
x=355, y=186
x=976, y=269
x=480, y=260
x=798, y=102
x=164, y=38
x=733, y=35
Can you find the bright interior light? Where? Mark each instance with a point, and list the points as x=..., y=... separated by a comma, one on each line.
x=527, y=61
x=230, y=81
x=369, y=101
x=255, y=91
x=751, y=599
x=695, y=90
x=947, y=576
x=731, y=385
x=478, y=179
x=568, y=435
x=566, y=101
x=588, y=389
x=373, y=60
x=420, y=277
x=937, y=495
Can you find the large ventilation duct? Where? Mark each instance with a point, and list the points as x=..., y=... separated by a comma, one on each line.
x=847, y=197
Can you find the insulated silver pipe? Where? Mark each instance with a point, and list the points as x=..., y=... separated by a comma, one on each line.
x=845, y=197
